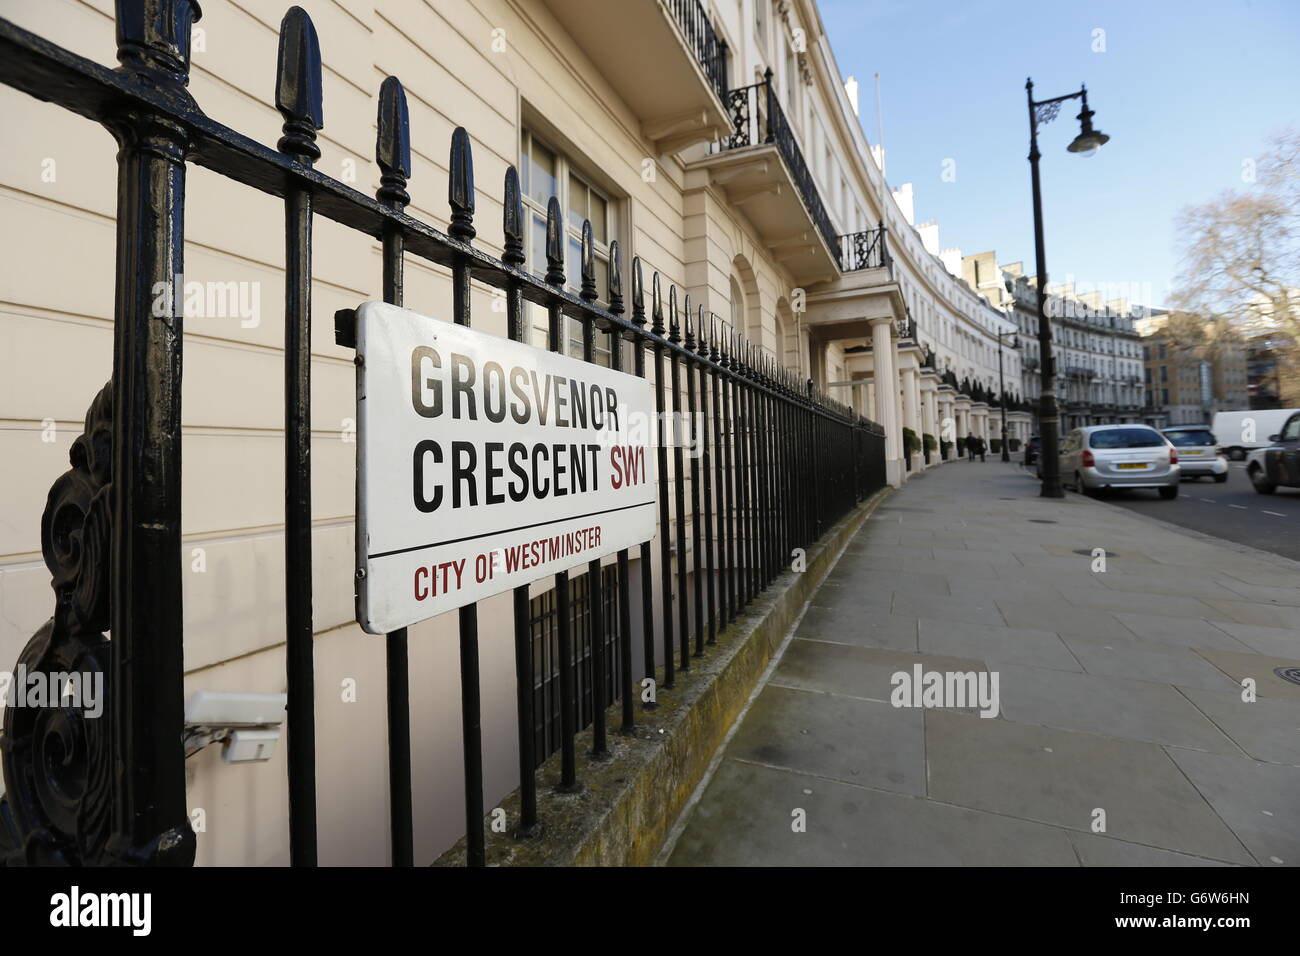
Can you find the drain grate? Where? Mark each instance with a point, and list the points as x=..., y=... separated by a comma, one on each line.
x=1088, y=552
x=1043, y=521
x=1291, y=674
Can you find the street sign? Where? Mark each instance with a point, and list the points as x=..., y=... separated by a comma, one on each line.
x=484, y=464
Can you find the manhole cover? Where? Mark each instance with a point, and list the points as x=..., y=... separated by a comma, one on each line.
x=1291, y=674
x=1088, y=552
x=1043, y=521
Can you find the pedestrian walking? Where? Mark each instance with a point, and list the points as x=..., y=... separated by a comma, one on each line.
x=970, y=446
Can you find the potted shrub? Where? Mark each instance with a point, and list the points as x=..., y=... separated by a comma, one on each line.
x=911, y=444
x=929, y=445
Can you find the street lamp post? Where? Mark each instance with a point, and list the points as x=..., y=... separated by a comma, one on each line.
x=1002, y=388
x=1044, y=111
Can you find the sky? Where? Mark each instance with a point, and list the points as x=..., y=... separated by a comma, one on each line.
x=1188, y=91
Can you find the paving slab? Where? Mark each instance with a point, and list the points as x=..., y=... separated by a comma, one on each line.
x=1097, y=850
x=1274, y=641
x=1064, y=778
x=856, y=671
x=1266, y=728
x=1188, y=632
x=1110, y=706
x=833, y=625
x=996, y=646
x=864, y=742
x=746, y=818
x=1260, y=669
x=1260, y=801
x=1147, y=660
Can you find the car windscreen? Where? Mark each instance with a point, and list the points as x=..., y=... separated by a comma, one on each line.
x=1193, y=436
x=1126, y=438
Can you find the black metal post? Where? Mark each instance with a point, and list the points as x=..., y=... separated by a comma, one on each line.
x=665, y=527
x=146, y=672
x=647, y=571
x=1002, y=389
x=460, y=190
x=679, y=483
x=709, y=381
x=393, y=152
x=517, y=330
x=696, y=438
x=624, y=585
x=595, y=588
x=298, y=97
x=729, y=484
x=568, y=684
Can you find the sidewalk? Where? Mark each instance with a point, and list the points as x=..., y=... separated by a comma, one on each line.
x=1120, y=692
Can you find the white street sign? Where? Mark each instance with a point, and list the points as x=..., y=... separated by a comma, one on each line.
x=484, y=464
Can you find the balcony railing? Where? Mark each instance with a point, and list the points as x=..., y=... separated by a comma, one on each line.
x=710, y=49
x=757, y=118
x=863, y=250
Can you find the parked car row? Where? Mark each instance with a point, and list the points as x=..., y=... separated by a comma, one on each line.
x=1101, y=457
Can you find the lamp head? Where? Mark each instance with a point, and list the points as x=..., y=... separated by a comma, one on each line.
x=1089, y=140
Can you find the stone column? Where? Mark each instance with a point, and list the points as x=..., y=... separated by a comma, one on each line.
x=882, y=362
x=911, y=402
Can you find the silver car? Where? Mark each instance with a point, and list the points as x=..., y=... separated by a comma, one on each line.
x=1119, y=456
x=1198, y=452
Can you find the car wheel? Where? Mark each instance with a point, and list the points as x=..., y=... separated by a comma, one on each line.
x=1237, y=454
x=1169, y=493
x=1220, y=479
x=1262, y=484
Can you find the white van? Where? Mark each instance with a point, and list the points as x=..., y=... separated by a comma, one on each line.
x=1241, y=432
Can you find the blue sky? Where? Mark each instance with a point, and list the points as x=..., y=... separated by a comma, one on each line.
x=1187, y=91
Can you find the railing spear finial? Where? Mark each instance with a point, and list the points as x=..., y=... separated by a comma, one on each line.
x=153, y=40
x=513, y=220
x=393, y=144
x=588, y=264
x=460, y=186
x=298, y=92
x=615, y=278
x=554, y=243
x=656, y=306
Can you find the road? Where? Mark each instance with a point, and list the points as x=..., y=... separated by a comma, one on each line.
x=1232, y=511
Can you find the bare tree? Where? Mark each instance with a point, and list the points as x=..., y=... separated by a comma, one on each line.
x=1241, y=262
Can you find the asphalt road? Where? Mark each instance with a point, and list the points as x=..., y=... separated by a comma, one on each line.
x=1233, y=511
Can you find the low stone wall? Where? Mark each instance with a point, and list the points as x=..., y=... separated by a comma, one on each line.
x=629, y=801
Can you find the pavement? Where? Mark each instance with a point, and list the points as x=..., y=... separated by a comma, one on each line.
x=1121, y=735
x=1232, y=510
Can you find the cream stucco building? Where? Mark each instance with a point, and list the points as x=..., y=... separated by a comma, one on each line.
x=717, y=141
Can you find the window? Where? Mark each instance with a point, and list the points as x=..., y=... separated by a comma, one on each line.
x=545, y=173
x=1126, y=438
x=738, y=320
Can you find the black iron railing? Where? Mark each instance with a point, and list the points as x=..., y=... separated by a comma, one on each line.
x=774, y=464
x=757, y=118
x=709, y=48
x=864, y=250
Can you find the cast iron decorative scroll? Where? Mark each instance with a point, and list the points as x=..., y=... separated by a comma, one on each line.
x=56, y=808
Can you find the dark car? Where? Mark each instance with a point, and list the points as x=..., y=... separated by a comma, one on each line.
x=1031, y=450
x=1278, y=465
